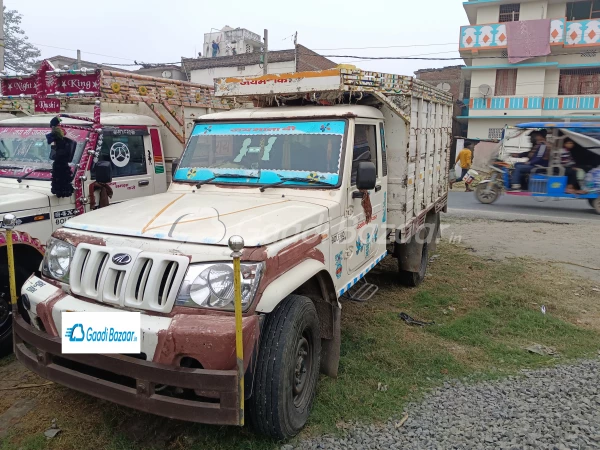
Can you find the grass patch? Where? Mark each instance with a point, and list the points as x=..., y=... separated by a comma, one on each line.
x=34, y=442
x=485, y=313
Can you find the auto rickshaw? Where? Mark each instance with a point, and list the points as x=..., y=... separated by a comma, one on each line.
x=549, y=182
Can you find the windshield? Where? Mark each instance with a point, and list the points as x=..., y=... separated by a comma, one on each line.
x=265, y=152
x=25, y=149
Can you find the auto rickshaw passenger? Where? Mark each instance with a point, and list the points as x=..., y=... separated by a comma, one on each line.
x=567, y=161
x=538, y=156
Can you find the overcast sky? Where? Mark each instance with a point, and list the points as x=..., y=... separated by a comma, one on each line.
x=160, y=31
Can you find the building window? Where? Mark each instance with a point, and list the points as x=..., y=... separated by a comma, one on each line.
x=495, y=133
x=510, y=13
x=506, y=82
x=467, y=89
x=579, y=82
x=589, y=9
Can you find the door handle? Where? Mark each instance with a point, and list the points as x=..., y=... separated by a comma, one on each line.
x=143, y=183
x=377, y=188
x=357, y=194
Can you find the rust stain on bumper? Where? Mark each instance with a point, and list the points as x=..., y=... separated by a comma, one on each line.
x=44, y=311
x=41, y=354
x=208, y=339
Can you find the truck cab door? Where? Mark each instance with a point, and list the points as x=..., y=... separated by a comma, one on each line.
x=366, y=241
x=129, y=152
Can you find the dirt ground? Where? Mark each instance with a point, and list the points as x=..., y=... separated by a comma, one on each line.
x=576, y=247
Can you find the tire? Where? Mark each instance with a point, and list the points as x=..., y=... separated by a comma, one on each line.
x=595, y=203
x=286, y=379
x=6, y=339
x=414, y=279
x=487, y=197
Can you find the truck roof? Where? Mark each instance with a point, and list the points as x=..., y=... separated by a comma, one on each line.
x=288, y=112
x=108, y=119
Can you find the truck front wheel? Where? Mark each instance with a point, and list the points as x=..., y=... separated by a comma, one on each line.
x=287, y=369
x=21, y=274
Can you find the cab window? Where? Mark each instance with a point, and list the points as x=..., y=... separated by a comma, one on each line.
x=126, y=155
x=365, y=147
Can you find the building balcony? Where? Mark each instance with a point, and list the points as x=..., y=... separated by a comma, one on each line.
x=563, y=33
x=523, y=104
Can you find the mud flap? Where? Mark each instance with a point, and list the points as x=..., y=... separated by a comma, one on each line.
x=330, y=348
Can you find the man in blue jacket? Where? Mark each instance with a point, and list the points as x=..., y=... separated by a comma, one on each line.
x=538, y=156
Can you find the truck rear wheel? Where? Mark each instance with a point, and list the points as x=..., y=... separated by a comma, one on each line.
x=595, y=203
x=413, y=279
x=287, y=369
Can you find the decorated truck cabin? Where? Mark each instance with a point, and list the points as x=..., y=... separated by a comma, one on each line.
x=136, y=125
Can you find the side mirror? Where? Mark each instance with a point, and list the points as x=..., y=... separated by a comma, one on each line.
x=103, y=172
x=366, y=176
x=174, y=166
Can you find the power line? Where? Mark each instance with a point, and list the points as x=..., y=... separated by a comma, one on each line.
x=387, y=46
x=89, y=53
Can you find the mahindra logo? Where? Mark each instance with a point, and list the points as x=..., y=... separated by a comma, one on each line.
x=121, y=259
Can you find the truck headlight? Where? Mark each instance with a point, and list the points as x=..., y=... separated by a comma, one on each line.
x=211, y=285
x=57, y=260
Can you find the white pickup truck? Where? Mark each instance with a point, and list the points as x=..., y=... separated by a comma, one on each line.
x=329, y=173
x=135, y=137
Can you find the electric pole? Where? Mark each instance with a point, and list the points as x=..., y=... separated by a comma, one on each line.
x=296, y=51
x=266, y=52
x=2, y=36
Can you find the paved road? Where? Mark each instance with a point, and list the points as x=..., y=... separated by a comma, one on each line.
x=463, y=204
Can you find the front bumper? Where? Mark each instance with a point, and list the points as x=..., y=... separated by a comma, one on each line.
x=129, y=381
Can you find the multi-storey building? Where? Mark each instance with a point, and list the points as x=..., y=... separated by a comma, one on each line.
x=564, y=85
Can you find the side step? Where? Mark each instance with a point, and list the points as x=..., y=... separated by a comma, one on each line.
x=361, y=292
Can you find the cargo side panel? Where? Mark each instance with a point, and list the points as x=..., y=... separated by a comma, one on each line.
x=396, y=133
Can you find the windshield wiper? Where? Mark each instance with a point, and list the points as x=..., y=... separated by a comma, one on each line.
x=41, y=169
x=298, y=180
x=11, y=168
x=224, y=175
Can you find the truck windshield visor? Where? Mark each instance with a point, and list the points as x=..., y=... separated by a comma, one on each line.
x=264, y=151
x=23, y=149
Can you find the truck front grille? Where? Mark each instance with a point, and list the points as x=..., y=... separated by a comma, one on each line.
x=150, y=281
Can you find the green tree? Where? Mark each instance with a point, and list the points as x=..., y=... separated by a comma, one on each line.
x=19, y=53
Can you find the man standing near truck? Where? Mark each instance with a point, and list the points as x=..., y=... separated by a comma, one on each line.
x=464, y=158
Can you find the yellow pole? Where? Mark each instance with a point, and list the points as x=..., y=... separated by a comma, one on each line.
x=236, y=243
x=11, y=267
x=9, y=221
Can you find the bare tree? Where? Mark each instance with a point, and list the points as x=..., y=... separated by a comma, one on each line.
x=19, y=53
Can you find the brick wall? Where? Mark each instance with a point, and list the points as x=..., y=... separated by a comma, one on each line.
x=451, y=75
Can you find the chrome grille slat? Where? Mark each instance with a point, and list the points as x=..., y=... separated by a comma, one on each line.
x=150, y=281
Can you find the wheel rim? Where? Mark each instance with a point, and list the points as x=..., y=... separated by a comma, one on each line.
x=489, y=195
x=302, y=369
